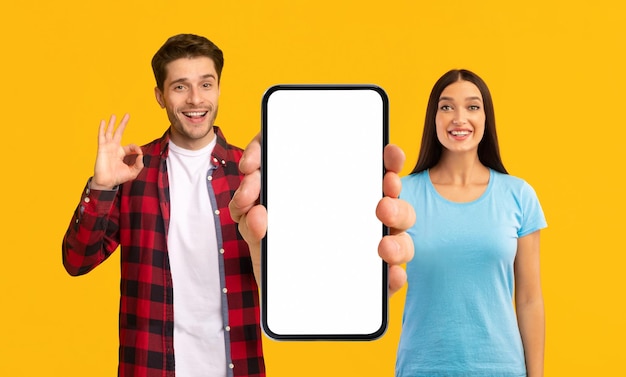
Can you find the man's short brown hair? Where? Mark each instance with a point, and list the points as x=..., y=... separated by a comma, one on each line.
x=185, y=46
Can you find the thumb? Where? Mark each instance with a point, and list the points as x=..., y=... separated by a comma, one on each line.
x=253, y=225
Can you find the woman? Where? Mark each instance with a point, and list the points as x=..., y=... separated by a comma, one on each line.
x=476, y=247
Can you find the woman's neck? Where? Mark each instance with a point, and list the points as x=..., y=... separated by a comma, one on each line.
x=459, y=170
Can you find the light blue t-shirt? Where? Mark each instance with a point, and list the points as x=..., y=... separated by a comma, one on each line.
x=459, y=318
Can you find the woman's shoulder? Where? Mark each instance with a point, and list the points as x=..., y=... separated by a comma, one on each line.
x=512, y=183
x=415, y=177
x=413, y=184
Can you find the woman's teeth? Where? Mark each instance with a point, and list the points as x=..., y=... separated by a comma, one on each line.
x=460, y=133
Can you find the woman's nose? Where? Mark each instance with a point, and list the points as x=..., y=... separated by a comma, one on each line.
x=457, y=121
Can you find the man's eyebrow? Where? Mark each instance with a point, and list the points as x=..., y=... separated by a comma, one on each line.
x=208, y=76
x=184, y=79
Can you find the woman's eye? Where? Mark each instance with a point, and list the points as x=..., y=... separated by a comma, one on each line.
x=445, y=108
x=474, y=107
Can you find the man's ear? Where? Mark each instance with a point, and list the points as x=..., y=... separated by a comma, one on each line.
x=159, y=96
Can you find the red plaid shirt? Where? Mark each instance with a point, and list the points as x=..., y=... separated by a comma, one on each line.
x=136, y=216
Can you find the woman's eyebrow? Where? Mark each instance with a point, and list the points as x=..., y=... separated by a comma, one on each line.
x=467, y=99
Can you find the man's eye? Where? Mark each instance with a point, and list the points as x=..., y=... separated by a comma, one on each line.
x=179, y=87
x=206, y=85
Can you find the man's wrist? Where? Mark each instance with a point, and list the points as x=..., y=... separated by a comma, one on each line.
x=94, y=186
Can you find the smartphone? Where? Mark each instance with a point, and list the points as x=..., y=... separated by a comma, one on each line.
x=322, y=170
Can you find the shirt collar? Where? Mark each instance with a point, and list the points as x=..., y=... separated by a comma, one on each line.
x=219, y=152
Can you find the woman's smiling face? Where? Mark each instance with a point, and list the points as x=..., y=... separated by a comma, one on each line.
x=460, y=118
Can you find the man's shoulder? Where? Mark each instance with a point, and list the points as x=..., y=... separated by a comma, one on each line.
x=156, y=144
x=224, y=146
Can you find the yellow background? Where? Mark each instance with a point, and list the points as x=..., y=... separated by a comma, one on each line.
x=556, y=70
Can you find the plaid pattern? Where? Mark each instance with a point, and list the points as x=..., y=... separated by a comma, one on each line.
x=136, y=216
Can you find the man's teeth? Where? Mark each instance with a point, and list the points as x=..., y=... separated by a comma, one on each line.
x=460, y=133
x=195, y=113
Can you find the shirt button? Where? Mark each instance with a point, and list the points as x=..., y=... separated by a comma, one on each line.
x=87, y=200
x=231, y=365
x=210, y=177
x=223, y=162
x=224, y=290
x=217, y=211
x=227, y=328
x=221, y=251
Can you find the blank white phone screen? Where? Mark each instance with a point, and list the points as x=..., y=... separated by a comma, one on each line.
x=322, y=169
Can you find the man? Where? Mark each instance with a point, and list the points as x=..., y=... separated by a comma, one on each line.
x=189, y=299
x=187, y=282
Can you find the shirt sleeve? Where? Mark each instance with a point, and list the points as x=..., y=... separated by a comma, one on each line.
x=93, y=232
x=533, y=218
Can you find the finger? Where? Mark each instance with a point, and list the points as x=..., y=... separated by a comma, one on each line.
x=396, y=249
x=119, y=131
x=394, y=158
x=251, y=158
x=137, y=166
x=111, y=127
x=134, y=150
x=252, y=227
x=139, y=162
x=395, y=213
x=246, y=195
x=256, y=223
x=101, y=130
x=392, y=185
x=397, y=279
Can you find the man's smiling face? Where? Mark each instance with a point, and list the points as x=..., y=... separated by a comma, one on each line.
x=190, y=97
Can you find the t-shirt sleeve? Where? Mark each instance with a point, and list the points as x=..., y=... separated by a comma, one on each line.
x=533, y=218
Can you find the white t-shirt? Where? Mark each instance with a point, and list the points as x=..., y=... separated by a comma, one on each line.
x=199, y=346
